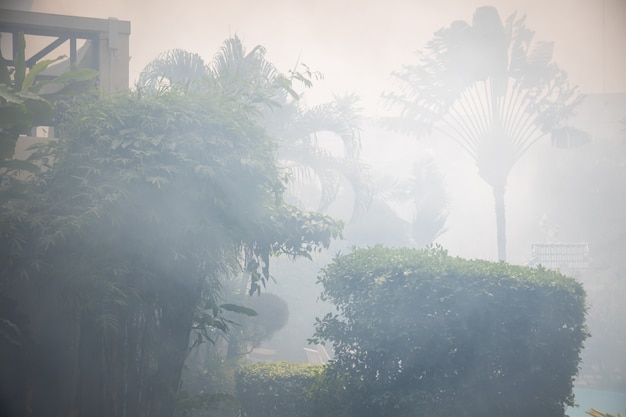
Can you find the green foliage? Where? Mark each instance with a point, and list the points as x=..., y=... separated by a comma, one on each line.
x=262, y=90
x=175, y=167
x=151, y=202
x=208, y=385
x=278, y=389
x=420, y=330
x=26, y=102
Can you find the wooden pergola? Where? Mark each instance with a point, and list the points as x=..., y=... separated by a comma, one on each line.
x=101, y=44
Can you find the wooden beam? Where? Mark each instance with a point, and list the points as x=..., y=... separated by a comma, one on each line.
x=46, y=24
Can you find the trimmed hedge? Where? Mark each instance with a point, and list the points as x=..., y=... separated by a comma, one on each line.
x=277, y=389
x=420, y=332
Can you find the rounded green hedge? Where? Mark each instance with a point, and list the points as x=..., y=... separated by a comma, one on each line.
x=421, y=332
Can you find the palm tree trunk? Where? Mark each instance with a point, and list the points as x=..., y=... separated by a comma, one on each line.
x=498, y=193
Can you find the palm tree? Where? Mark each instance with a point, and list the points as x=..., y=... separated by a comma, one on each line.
x=296, y=126
x=299, y=128
x=232, y=70
x=494, y=92
x=262, y=89
x=176, y=67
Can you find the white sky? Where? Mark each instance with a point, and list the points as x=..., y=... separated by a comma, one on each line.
x=356, y=44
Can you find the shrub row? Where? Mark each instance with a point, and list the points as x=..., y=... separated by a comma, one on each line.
x=277, y=389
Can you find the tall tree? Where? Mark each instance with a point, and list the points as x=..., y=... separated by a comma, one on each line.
x=492, y=90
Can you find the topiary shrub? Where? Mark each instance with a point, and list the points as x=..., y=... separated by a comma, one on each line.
x=418, y=331
x=277, y=389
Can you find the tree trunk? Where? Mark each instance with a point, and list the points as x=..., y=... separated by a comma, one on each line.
x=175, y=331
x=498, y=193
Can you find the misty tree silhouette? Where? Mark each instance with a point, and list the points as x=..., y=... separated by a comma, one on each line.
x=493, y=91
x=298, y=129
x=271, y=95
x=423, y=193
x=426, y=189
x=176, y=67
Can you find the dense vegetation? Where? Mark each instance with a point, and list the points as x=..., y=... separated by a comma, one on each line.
x=131, y=248
x=420, y=330
x=115, y=255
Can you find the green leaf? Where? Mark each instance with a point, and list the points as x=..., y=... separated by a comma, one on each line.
x=18, y=165
x=83, y=77
x=15, y=117
x=239, y=309
x=36, y=70
x=42, y=110
x=7, y=94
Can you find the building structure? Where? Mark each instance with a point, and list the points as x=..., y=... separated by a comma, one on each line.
x=101, y=44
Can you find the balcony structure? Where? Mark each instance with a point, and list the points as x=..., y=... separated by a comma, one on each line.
x=101, y=44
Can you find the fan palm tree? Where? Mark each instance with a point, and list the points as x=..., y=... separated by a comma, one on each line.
x=493, y=91
x=270, y=95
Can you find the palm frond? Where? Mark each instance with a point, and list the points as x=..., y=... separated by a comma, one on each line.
x=175, y=67
x=247, y=74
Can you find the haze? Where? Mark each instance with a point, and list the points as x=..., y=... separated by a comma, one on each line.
x=356, y=45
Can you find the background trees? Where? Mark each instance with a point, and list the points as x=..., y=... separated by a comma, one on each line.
x=410, y=212
x=494, y=92
x=590, y=208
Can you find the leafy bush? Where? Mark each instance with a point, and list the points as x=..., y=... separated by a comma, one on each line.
x=152, y=203
x=277, y=389
x=420, y=330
